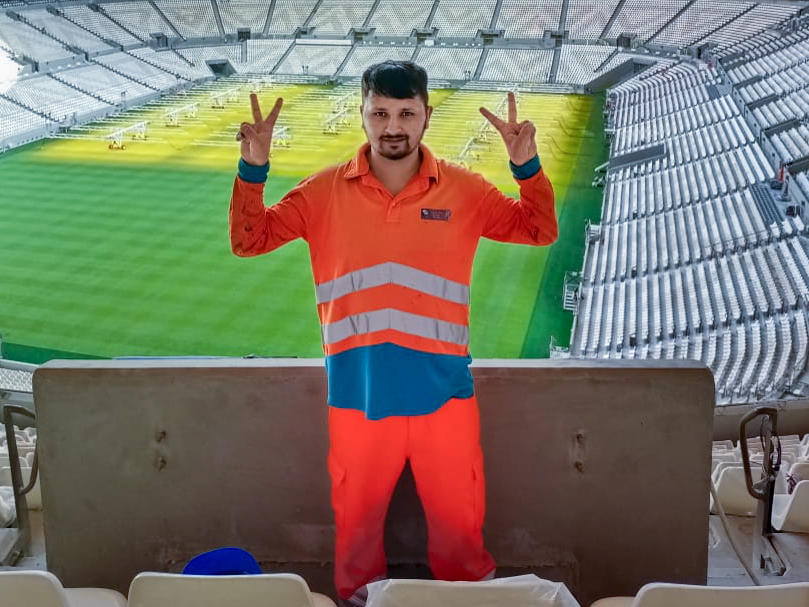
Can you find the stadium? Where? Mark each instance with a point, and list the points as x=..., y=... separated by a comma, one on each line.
x=629, y=367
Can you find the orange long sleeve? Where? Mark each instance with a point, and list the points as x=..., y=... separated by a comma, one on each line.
x=529, y=220
x=255, y=228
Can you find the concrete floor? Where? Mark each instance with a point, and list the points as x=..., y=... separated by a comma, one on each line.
x=35, y=558
x=724, y=568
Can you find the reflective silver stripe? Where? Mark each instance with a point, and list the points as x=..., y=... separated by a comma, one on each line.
x=392, y=273
x=389, y=318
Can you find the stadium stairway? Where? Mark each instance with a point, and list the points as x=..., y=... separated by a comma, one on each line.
x=557, y=57
x=345, y=61
x=481, y=62
x=162, y=68
x=763, y=199
x=429, y=23
x=671, y=20
x=268, y=21
x=160, y=12
x=617, y=11
x=25, y=107
x=563, y=15
x=80, y=25
x=218, y=17
x=56, y=77
x=100, y=9
x=370, y=14
x=127, y=76
x=314, y=11
x=45, y=32
x=725, y=24
x=182, y=58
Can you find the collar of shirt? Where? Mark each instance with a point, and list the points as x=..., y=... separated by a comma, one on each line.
x=359, y=167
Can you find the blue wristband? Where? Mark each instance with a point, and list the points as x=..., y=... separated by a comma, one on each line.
x=524, y=171
x=252, y=173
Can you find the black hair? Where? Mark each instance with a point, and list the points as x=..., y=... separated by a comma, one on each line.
x=397, y=79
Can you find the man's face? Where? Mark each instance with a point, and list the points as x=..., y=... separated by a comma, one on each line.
x=394, y=126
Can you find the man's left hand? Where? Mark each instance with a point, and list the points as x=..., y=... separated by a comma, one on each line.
x=518, y=136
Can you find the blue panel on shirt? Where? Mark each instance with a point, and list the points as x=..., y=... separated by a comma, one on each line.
x=386, y=379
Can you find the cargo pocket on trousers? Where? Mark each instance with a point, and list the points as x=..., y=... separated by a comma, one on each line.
x=338, y=490
x=478, y=491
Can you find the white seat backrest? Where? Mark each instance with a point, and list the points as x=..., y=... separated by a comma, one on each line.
x=175, y=590
x=787, y=459
x=716, y=470
x=803, y=488
x=793, y=451
x=727, y=456
x=799, y=504
x=31, y=589
x=755, y=470
x=678, y=595
x=733, y=495
x=523, y=591
x=800, y=470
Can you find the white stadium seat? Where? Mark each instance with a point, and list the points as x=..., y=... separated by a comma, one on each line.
x=43, y=589
x=163, y=589
x=679, y=595
x=791, y=512
x=523, y=590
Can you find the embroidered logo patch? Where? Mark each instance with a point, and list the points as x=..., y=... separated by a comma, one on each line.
x=436, y=214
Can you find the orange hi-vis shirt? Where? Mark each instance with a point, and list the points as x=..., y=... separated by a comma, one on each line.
x=392, y=273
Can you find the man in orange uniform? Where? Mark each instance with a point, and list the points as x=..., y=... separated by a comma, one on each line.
x=392, y=234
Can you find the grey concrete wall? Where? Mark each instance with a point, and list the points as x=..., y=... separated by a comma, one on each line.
x=597, y=471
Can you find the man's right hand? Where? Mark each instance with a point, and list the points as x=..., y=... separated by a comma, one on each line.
x=257, y=137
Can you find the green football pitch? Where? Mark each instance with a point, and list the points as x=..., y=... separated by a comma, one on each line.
x=110, y=253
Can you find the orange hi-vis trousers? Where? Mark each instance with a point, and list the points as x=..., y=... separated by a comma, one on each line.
x=366, y=458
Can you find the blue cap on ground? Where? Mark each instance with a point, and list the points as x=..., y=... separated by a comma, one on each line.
x=223, y=561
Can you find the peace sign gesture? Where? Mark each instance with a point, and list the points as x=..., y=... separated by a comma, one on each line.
x=518, y=136
x=257, y=137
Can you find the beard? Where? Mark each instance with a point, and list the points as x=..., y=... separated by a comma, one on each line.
x=395, y=148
